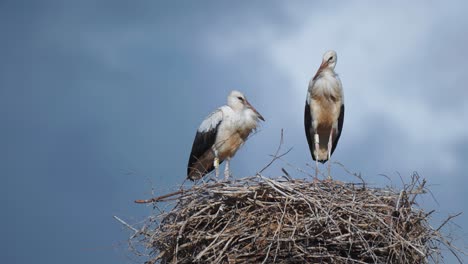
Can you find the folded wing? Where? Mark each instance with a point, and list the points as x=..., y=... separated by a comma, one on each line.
x=202, y=155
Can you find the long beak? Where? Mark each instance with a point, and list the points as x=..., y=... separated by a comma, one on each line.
x=323, y=65
x=320, y=69
x=255, y=111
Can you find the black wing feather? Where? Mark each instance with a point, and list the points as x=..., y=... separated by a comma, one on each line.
x=340, y=127
x=202, y=143
x=308, y=127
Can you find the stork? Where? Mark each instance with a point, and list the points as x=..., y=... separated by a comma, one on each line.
x=220, y=135
x=324, y=111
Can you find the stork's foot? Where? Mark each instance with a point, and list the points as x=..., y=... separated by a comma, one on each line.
x=227, y=170
x=227, y=175
x=329, y=179
x=331, y=182
x=317, y=171
x=330, y=139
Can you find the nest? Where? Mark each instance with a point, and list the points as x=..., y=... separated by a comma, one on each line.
x=262, y=220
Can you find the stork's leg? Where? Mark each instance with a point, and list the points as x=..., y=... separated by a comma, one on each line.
x=216, y=164
x=329, y=153
x=316, y=140
x=227, y=172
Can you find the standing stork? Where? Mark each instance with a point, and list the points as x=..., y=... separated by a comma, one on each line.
x=324, y=111
x=220, y=135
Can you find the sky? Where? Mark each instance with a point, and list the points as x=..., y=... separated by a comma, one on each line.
x=100, y=101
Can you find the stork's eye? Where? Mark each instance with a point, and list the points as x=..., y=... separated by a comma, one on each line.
x=241, y=99
x=330, y=59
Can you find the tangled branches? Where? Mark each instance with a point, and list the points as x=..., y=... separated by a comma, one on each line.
x=262, y=220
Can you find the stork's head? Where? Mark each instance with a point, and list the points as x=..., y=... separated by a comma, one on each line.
x=329, y=60
x=237, y=101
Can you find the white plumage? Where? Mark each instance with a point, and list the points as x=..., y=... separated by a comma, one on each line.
x=220, y=135
x=324, y=110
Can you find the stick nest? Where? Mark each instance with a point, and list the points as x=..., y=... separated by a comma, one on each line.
x=261, y=220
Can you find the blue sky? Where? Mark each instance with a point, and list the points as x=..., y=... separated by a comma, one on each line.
x=100, y=100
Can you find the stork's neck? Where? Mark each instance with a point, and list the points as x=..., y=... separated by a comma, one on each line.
x=325, y=84
x=323, y=71
x=327, y=72
x=247, y=119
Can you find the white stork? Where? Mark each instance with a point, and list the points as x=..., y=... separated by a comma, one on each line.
x=324, y=111
x=220, y=135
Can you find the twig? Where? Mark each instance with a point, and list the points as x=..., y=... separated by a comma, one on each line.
x=160, y=198
x=448, y=220
x=125, y=224
x=276, y=156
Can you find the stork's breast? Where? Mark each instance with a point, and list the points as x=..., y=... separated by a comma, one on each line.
x=325, y=110
x=233, y=133
x=228, y=145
